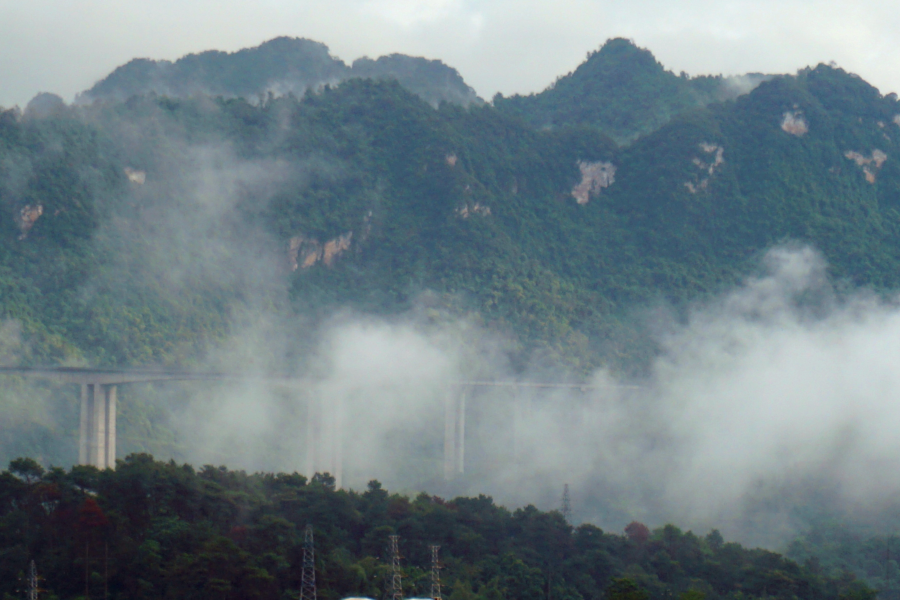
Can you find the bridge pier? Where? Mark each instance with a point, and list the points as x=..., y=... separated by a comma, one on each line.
x=521, y=417
x=97, y=430
x=325, y=438
x=325, y=421
x=454, y=433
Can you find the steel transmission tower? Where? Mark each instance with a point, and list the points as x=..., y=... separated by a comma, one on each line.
x=32, y=582
x=396, y=577
x=308, y=581
x=435, y=574
x=566, y=504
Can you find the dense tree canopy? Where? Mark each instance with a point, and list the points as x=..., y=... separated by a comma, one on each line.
x=143, y=228
x=162, y=530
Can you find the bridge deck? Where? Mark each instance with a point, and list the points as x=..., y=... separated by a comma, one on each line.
x=113, y=376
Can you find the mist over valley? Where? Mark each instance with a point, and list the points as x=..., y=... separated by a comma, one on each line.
x=674, y=295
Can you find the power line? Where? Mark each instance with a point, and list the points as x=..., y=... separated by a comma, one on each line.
x=308, y=580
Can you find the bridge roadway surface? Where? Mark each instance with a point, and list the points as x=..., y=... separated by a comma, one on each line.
x=114, y=376
x=325, y=421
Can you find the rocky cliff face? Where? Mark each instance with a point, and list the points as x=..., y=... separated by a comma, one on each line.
x=304, y=251
x=595, y=176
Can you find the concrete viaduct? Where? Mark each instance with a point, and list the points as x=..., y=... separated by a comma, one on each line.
x=325, y=435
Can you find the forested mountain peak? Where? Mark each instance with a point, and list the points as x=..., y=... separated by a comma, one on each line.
x=624, y=91
x=279, y=66
x=431, y=80
x=225, y=231
x=617, y=56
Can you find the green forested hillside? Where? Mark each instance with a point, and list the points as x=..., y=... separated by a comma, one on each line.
x=146, y=230
x=162, y=530
x=471, y=205
x=623, y=91
x=869, y=553
x=280, y=66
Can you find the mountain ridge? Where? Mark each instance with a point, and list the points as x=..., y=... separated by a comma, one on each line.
x=279, y=66
x=623, y=90
x=483, y=169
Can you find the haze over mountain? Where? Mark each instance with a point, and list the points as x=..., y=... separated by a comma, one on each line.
x=280, y=66
x=623, y=91
x=716, y=241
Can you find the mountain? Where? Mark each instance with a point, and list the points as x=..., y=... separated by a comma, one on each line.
x=233, y=233
x=280, y=66
x=472, y=203
x=623, y=91
x=431, y=80
x=159, y=229
x=548, y=234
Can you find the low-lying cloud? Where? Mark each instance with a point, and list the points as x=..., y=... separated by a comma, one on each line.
x=767, y=406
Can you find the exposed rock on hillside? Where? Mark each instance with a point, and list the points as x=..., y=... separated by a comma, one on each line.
x=475, y=209
x=135, y=176
x=304, y=252
x=794, y=123
x=707, y=167
x=27, y=216
x=869, y=164
x=594, y=177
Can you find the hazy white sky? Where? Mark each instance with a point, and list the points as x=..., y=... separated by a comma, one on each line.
x=510, y=46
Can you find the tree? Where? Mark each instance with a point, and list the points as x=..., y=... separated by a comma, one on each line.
x=637, y=532
x=27, y=469
x=625, y=589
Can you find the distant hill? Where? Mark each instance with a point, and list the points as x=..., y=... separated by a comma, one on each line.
x=157, y=230
x=280, y=66
x=371, y=197
x=624, y=91
x=204, y=224
x=431, y=80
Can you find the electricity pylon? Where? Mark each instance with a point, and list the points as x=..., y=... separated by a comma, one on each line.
x=566, y=504
x=435, y=574
x=32, y=582
x=308, y=580
x=396, y=577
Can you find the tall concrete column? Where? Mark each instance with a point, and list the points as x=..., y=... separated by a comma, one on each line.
x=111, y=402
x=337, y=441
x=313, y=434
x=454, y=432
x=84, y=432
x=98, y=427
x=461, y=433
x=325, y=437
x=521, y=418
x=97, y=431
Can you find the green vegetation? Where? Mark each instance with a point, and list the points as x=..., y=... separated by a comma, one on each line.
x=161, y=530
x=471, y=207
x=280, y=66
x=870, y=555
x=446, y=211
x=623, y=91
